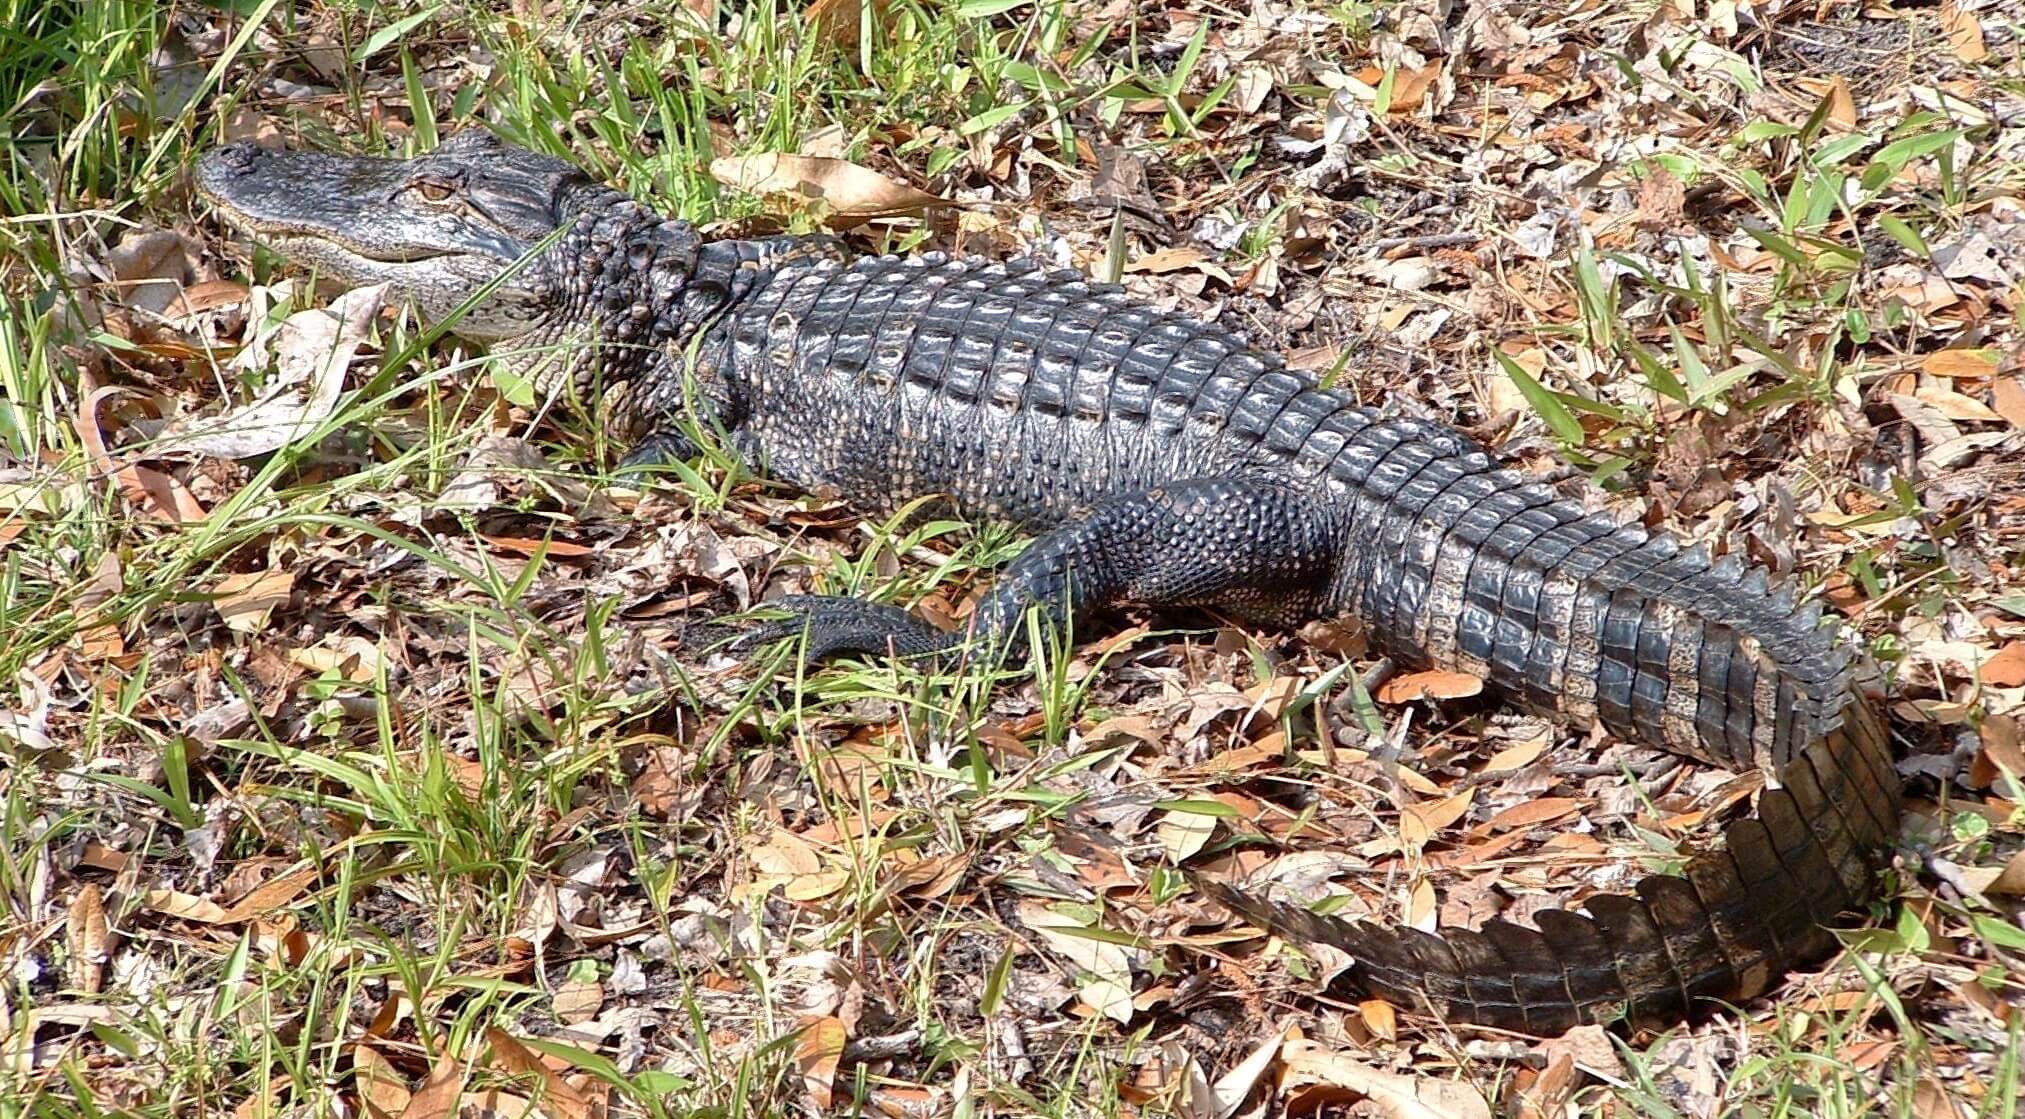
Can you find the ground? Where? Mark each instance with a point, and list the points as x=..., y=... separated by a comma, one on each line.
x=361, y=762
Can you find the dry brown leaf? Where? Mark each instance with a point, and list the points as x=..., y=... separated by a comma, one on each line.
x=578, y=1000
x=152, y=492
x=934, y=876
x=378, y=1084
x=272, y=894
x=1419, y=823
x=559, y=1098
x=818, y=1051
x=89, y=937
x=2007, y=397
x=1958, y=406
x=2011, y=880
x=311, y=349
x=1548, y=1094
x=205, y=296
x=2007, y=668
x=1380, y=1017
x=1514, y=758
x=1423, y=908
x=438, y=1096
x=847, y=189
x=1182, y=834
x=1431, y=684
x=259, y=1105
x=1532, y=813
x=247, y=599
x=1232, y=1088
x=188, y=907
x=528, y=546
x=1961, y=363
x=1964, y=31
x=1402, y=1097
x=1841, y=106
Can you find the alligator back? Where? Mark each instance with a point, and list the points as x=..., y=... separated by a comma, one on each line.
x=1028, y=394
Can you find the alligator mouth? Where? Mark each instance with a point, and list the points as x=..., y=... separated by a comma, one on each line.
x=324, y=240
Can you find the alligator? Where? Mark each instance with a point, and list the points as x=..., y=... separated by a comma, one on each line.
x=1165, y=461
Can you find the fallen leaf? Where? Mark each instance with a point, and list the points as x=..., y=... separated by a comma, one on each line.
x=1961, y=363
x=188, y=907
x=849, y=190
x=1841, y=106
x=439, y=1094
x=153, y=493
x=1401, y=1097
x=1104, y=982
x=377, y=1082
x=1380, y=1018
x=528, y=546
x=2007, y=668
x=1429, y=685
x=311, y=351
x=818, y=1051
x=1232, y=1088
x=2007, y=396
x=2011, y=881
x=1419, y=823
x=271, y=894
x=1182, y=834
x=89, y=938
x=1514, y=758
x=1532, y=813
x=559, y=1098
x=1964, y=31
x=1958, y=406
x=246, y=599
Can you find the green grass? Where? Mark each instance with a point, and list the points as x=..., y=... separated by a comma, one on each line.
x=476, y=737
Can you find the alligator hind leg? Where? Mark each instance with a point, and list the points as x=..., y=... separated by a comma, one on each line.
x=1261, y=551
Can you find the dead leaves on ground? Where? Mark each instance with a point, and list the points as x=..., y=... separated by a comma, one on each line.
x=1424, y=184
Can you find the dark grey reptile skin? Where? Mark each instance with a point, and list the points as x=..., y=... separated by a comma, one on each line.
x=1162, y=460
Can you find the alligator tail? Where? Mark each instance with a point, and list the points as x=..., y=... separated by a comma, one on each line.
x=1575, y=616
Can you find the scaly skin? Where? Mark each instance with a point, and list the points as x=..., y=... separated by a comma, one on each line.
x=1164, y=461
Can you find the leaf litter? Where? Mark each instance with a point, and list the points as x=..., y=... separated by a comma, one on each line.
x=1417, y=202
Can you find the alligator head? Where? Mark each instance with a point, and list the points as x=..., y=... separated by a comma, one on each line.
x=563, y=277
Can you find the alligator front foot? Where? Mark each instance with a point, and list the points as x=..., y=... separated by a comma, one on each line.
x=835, y=625
x=658, y=449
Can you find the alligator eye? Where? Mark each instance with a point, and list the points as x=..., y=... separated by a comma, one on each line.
x=434, y=191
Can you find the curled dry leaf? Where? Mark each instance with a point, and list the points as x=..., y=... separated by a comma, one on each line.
x=848, y=190
x=1402, y=1097
x=312, y=350
x=90, y=938
x=188, y=907
x=1232, y=1088
x=151, y=492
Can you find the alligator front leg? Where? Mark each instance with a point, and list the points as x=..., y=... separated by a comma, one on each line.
x=1266, y=553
